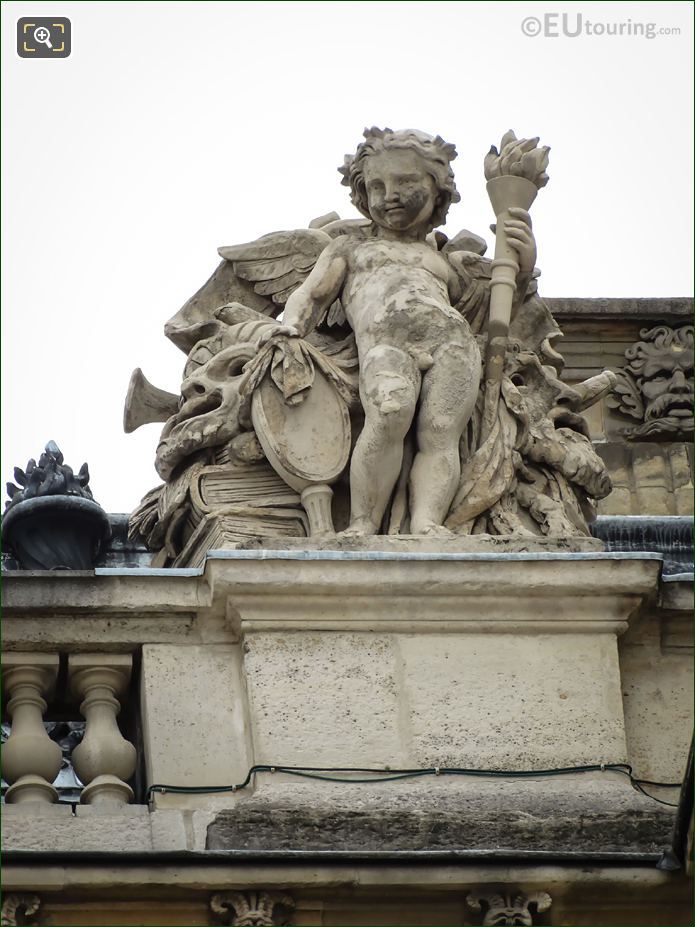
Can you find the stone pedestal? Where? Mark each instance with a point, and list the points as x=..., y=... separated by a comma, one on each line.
x=404, y=659
x=407, y=659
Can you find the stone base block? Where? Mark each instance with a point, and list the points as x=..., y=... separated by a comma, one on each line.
x=566, y=816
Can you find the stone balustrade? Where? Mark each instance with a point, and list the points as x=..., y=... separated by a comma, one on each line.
x=104, y=759
x=31, y=761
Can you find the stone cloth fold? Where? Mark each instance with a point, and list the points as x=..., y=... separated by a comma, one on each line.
x=488, y=473
x=292, y=365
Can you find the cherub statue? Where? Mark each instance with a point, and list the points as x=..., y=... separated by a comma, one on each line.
x=393, y=315
x=418, y=357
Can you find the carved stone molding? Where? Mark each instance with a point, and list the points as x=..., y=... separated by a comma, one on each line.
x=656, y=385
x=20, y=909
x=509, y=907
x=252, y=909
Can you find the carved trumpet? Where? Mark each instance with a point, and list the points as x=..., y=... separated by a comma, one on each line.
x=145, y=403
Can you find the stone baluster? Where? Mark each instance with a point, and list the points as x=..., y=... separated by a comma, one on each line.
x=30, y=759
x=104, y=759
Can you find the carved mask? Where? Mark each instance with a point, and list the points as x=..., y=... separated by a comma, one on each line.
x=667, y=383
x=209, y=411
x=656, y=384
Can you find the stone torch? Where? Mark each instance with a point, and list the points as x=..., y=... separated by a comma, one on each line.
x=514, y=176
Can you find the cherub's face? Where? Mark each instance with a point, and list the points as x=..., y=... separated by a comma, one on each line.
x=401, y=194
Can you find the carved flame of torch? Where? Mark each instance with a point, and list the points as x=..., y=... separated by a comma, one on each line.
x=514, y=176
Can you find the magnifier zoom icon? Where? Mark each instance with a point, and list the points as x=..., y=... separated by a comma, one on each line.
x=43, y=36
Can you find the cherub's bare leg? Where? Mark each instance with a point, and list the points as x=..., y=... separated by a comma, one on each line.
x=449, y=392
x=389, y=388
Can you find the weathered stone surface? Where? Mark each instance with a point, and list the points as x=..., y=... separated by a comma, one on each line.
x=566, y=815
x=194, y=718
x=648, y=478
x=474, y=700
x=380, y=334
x=354, y=891
x=394, y=544
x=651, y=308
x=656, y=660
x=126, y=831
x=353, y=722
x=117, y=592
x=516, y=702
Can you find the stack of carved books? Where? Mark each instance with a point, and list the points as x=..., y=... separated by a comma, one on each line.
x=235, y=504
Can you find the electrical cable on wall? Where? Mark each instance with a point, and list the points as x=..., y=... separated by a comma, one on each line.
x=326, y=774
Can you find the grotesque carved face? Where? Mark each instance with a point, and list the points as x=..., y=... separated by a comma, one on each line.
x=508, y=916
x=209, y=412
x=656, y=384
x=252, y=909
x=667, y=383
x=509, y=909
x=401, y=193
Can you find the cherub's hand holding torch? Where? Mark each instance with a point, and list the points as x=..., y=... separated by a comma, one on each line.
x=514, y=174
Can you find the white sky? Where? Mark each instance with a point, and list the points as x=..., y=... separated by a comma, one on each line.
x=174, y=128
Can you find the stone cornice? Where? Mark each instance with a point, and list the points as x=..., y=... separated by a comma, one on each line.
x=666, y=308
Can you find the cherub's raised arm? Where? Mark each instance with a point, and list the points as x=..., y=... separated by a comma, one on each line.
x=309, y=301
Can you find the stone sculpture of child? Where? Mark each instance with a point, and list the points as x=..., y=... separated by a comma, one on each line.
x=418, y=359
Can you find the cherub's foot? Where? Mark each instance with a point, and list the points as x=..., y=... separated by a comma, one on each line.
x=359, y=528
x=435, y=531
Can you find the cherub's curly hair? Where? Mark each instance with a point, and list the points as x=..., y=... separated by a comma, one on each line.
x=436, y=154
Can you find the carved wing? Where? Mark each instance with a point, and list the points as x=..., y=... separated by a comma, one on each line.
x=276, y=264
x=475, y=273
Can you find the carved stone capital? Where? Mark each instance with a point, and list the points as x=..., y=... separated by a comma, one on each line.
x=20, y=909
x=509, y=907
x=252, y=909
